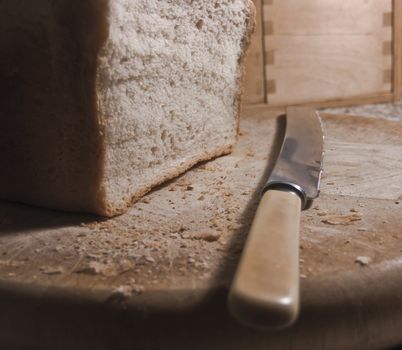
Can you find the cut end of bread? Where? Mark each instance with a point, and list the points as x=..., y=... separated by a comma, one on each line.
x=169, y=82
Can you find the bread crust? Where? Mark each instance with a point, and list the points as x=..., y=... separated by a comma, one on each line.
x=49, y=135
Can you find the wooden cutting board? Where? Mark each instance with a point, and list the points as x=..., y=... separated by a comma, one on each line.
x=157, y=277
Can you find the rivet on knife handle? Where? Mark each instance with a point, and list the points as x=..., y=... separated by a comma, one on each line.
x=265, y=290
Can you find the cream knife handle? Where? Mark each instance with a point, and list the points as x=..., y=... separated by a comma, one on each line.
x=265, y=290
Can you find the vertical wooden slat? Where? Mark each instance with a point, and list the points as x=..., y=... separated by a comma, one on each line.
x=269, y=55
x=262, y=43
x=397, y=49
x=254, y=84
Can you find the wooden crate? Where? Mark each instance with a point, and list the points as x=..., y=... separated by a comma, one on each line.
x=325, y=53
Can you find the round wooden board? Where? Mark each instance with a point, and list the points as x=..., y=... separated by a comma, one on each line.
x=157, y=277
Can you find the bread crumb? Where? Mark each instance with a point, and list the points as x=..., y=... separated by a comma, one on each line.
x=106, y=269
x=92, y=256
x=11, y=263
x=51, y=270
x=363, y=260
x=123, y=290
x=120, y=294
x=150, y=259
x=138, y=289
x=183, y=183
x=211, y=236
x=341, y=219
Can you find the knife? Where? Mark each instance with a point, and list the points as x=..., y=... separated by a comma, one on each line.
x=265, y=290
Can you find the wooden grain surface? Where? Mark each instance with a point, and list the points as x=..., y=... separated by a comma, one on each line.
x=185, y=231
x=182, y=242
x=318, y=51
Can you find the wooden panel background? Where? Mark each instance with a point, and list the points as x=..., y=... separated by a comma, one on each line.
x=325, y=53
x=319, y=50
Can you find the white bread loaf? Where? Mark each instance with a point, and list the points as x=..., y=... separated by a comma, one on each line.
x=104, y=99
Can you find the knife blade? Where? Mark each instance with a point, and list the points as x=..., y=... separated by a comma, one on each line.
x=265, y=289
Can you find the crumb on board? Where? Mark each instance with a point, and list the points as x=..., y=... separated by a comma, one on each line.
x=49, y=270
x=124, y=290
x=108, y=269
x=341, y=219
x=11, y=263
x=363, y=260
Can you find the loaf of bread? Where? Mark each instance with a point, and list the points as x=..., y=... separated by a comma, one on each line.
x=104, y=99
